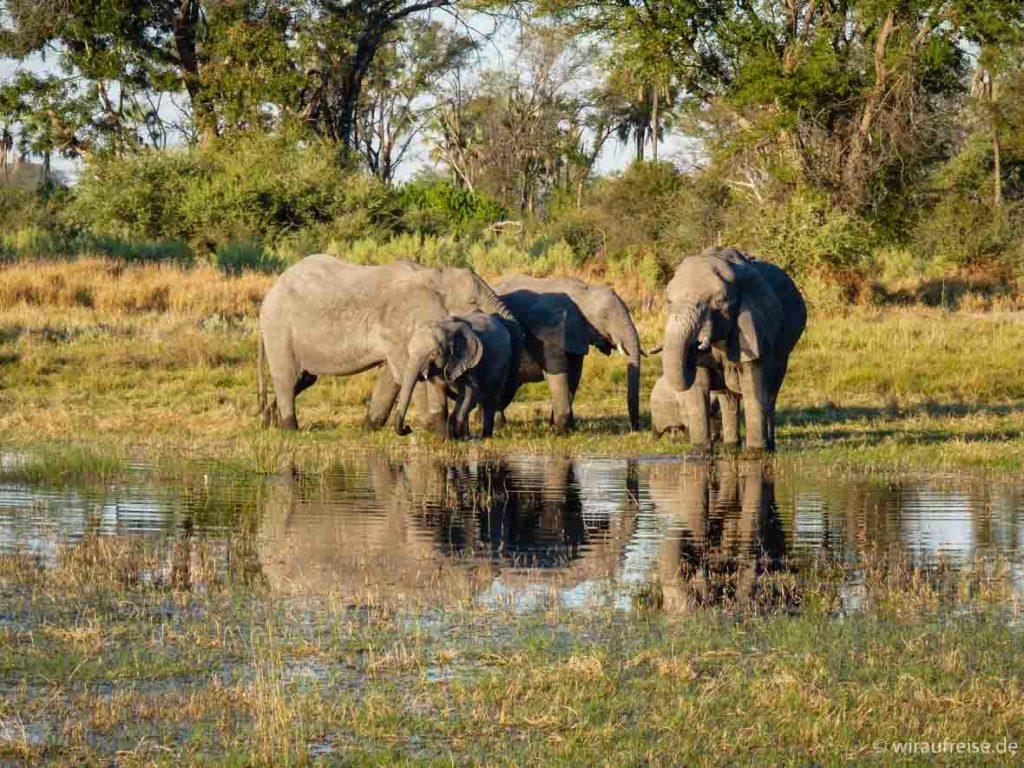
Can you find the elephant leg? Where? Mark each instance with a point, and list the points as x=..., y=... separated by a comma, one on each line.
x=755, y=406
x=437, y=407
x=575, y=374
x=385, y=392
x=729, y=404
x=421, y=404
x=306, y=380
x=561, y=402
x=286, y=376
x=771, y=423
x=499, y=418
x=487, y=426
x=698, y=409
x=464, y=405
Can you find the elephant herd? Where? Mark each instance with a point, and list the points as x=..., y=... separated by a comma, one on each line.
x=440, y=335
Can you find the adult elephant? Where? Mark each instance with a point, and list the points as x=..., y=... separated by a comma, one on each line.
x=563, y=317
x=732, y=323
x=324, y=316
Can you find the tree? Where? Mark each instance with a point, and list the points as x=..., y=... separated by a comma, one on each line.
x=521, y=133
x=852, y=96
x=398, y=95
x=241, y=64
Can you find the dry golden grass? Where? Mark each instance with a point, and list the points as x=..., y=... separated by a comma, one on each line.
x=115, y=288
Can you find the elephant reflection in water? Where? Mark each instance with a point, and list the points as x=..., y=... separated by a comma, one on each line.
x=355, y=529
x=400, y=526
x=725, y=538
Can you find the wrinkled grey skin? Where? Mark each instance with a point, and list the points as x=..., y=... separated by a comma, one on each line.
x=669, y=412
x=490, y=384
x=732, y=323
x=563, y=317
x=326, y=317
x=668, y=409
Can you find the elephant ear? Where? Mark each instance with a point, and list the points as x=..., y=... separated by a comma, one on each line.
x=557, y=322
x=758, y=316
x=464, y=351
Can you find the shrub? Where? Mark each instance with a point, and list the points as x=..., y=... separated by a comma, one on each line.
x=237, y=256
x=253, y=186
x=803, y=234
x=439, y=207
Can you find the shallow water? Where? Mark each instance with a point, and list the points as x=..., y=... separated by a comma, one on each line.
x=527, y=530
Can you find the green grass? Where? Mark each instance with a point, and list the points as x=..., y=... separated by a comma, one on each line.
x=96, y=659
x=901, y=388
x=180, y=653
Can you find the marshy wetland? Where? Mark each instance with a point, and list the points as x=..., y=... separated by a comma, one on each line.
x=178, y=586
x=505, y=609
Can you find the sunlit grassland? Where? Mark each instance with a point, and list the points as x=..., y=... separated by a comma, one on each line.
x=110, y=651
x=162, y=360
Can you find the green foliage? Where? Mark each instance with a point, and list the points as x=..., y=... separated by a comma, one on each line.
x=804, y=234
x=257, y=185
x=436, y=207
x=237, y=256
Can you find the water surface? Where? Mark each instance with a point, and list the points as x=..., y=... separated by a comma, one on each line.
x=522, y=530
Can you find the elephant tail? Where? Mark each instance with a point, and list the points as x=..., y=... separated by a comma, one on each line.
x=261, y=378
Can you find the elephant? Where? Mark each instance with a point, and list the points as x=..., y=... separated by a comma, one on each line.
x=491, y=383
x=668, y=409
x=324, y=316
x=732, y=323
x=562, y=317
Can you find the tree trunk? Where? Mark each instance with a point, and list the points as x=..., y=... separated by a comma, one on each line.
x=654, y=125
x=352, y=82
x=185, y=25
x=853, y=173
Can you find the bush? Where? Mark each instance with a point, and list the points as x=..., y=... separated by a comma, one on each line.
x=171, y=251
x=255, y=186
x=439, y=207
x=804, y=235
x=237, y=256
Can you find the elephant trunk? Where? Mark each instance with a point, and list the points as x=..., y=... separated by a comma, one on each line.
x=413, y=371
x=490, y=303
x=678, y=358
x=631, y=347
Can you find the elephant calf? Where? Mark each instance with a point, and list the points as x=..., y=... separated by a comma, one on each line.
x=669, y=411
x=493, y=381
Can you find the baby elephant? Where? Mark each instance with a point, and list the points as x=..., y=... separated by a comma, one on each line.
x=493, y=382
x=669, y=414
x=668, y=409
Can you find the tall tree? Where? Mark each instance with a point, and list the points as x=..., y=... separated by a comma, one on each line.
x=399, y=94
x=854, y=93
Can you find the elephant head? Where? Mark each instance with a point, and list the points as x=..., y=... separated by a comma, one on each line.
x=610, y=320
x=717, y=299
x=465, y=291
x=445, y=349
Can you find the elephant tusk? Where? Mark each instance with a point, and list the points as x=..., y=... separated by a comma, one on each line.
x=622, y=350
x=652, y=350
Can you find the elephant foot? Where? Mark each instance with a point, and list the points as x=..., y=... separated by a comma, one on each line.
x=291, y=424
x=731, y=449
x=372, y=425
x=562, y=426
x=499, y=420
x=756, y=452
